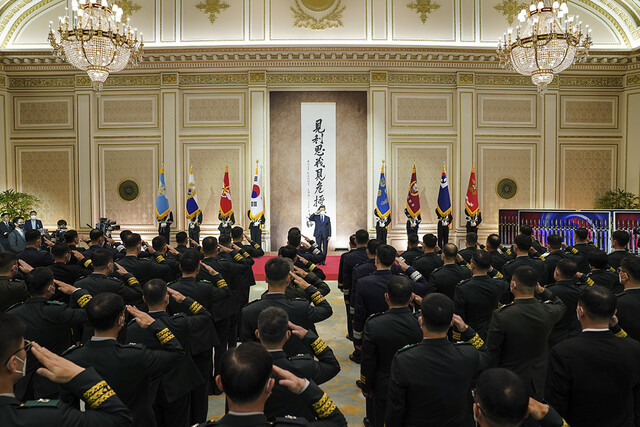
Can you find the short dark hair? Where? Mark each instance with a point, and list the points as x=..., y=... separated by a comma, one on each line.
x=16, y=219
x=101, y=258
x=60, y=249
x=413, y=239
x=293, y=238
x=273, y=324
x=352, y=240
x=95, y=234
x=209, y=244
x=61, y=222
x=567, y=268
x=362, y=236
x=132, y=241
x=598, y=259
x=33, y=212
x=38, y=279
x=32, y=236
x=154, y=291
x=244, y=371
x=525, y=276
x=554, y=241
x=181, y=237
x=622, y=237
x=399, y=290
x=104, y=310
x=429, y=240
x=189, y=262
x=494, y=241
x=4, y=213
x=277, y=270
x=631, y=265
x=502, y=397
x=372, y=246
x=581, y=233
x=288, y=251
x=158, y=243
x=386, y=254
x=124, y=234
x=598, y=301
x=471, y=238
x=237, y=232
x=526, y=230
x=523, y=242
x=482, y=260
x=70, y=236
x=437, y=312
x=11, y=334
x=7, y=261
x=224, y=240
x=449, y=250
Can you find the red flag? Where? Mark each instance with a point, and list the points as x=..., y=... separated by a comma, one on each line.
x=226, y=208
x=471, y=200
x=413, y=198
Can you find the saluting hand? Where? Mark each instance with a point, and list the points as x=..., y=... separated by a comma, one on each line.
x=305, y=244
x=208, y=268
x=298, y=280
x=56, y=368
x=177, y=296
x=77, y=255
x=288, y=380
x=300, y=272
x=65, y=288
x=302, y=260
x=403, y=265
x=224, y=249
x=120, y=269
x=298, y=331
x=24, y=266
x=143, y=319
x=459, y=323
x=172, y=250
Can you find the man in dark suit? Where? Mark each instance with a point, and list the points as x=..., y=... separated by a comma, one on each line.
x=322, y=230
x=429, y=260
x=33, y=223
x=351, y=259
x=12, y=291
x=629, y=300
x=32, y=254
x=16, y=237
x=66, y=272
x=6, y=227
x=594, y=378
x=521, y=247
x=446, y=278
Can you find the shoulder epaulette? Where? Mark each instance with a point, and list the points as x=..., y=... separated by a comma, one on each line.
x=132, y=345
x=204, y=281
x=55, y=302
x=176, y=315
x=14, y=306
x=438, y=269
x=407, y=347
x=505, y=306
x=301, y=357
x=40, y=403
x=289, y=420
x=70, y=349
x=252, y=302
x=375, y=315
x=457, y=343
x=543, y=257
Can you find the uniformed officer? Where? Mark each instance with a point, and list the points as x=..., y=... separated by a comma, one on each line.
x=308, y=256
x=301, y=312
x=471, y=245
x=384, y=334
x=413, y=224
x=446, y=278
x=12, y=291
x=601, y=274
x=582, y=248
x=628, y=305
x=430, y=260
x=307, y=248
x=127, y=368
x=566, y=287
x=175, y=388
x=248, y=376
x=252, y=247
x=72, y=238
x=32, y=254
x=522, y=246
x=619, y=242
x=351, y=259
x=104, y=408
x=143, y=269
x=246, y=278
x=526, y=230
x=65, y=271
x=413, y=249
x=194, y=227
x=170, y=254
x=164, y=226
x=97, y=241
x=382, y=225
x=226, y=223
x=49, y=323
x=305, y=269
x=182, y=240
x=553, y=255
x=255, y=227
x=352, y=246
x=498, y=259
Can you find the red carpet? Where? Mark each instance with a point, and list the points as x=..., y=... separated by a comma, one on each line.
x=331, y=269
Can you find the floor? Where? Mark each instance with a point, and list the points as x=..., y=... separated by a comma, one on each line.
x=342, y=389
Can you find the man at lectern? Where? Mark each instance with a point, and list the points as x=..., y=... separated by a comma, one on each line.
x=322, y=230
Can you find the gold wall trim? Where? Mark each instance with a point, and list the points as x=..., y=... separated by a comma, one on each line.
x=40, y=82
x=212, y=79
x=315, y=78
x=583, y=81
x=420, y=79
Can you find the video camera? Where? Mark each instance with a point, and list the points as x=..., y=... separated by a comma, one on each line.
x=106, y=226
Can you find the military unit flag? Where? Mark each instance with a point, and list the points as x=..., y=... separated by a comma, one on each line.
x=383, y=209
x=413, y=198
x=162, y=204
x=192, y=198
x=444, y=200
x=257, y=205
x=471, y=205
x=226, y=208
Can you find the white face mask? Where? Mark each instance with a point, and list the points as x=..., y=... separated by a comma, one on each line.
x=33, y=217
x=24, y=366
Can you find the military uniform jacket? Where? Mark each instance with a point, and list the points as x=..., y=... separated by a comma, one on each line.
x=69, y=273
x=36, y=257
x=300, y=312
x=294, y=291
x=97, y=283
x=183, y=249
x=446, y=278
x=568, y=326
x=313, y=253
x=607, y=278
x=128, y=369
x=551, y=260
x=341, y=269
x=581, y=252
x=429, y=384
x=253, y=249
x=235, y=267
x=411, y=254
x=593, y=379
x=11, y=292
x=616, y=256
x=104, y=408
x=477, y=298
x=427, y=262
x=537, y=264
x=467, y=253
x=194, y=322
x=116, y=254
x=311, y=267
x=362, y=270
x=384, y=334
x=351, y=259
x=321, y=370
x=145, y=269
x=518, y=335
x=628, y=308
x=224, y=305
x=498, y=260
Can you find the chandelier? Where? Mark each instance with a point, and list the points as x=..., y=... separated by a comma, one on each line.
x=93, y=39
x=549, y=42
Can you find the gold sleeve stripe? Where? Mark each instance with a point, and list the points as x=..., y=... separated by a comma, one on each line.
x=324, y=407
x=499, y=275
x=244, y=254
x=340, y=285
x=84, y=300
x=237, y=257
x=565, y=424
x=590, y=282
x=221, y=283
x=317, y=297
x=132, y=281
x=312, y=267
x=574, y=251
x=476, y=341
x=257, y=246
x=622, y=333
x=456, y=335
x=159, y=258
x=98, y=394
x=195, y=307
x=87, y=263
x=363, y=379
x=164, y=336
x=318, y=346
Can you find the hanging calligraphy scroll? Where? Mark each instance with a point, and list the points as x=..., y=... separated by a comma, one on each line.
x=318, y=166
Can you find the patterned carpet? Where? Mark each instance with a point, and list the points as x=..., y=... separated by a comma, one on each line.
x=342, y=388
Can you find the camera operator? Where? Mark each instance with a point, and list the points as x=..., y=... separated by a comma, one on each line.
x=98, y=239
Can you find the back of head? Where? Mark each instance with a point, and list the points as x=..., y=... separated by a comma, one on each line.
x=101, y=258
x=7, y=262
x=598, y=259
x=154, y=292
x=523, y=242
x=482, y=260
x=554, y=241
x=70, y=236
x=413, y=240
x=598, y=302
x=362, y=237
x=62, y=223
x=429, y=241
x=502, y=397
x=277, y=271
x=158, y=243
x=526, y=277
x=95, y=235
x=11, y=333
x=59, y=250
x=237, y=232
x=132, y=241
x=293, y=238
x=437, y=312
x=293, y=230
x=494, y=241
x=372, y=246
x=244, y=372
x=209, y=245
x=581, y=233
x=104, y=311
x=567, y=268
x=352, y=240
x=189, y=262
x=449, y=250
x=124, y=234
x=182, y=238
x=32, y=237
x=621, y=237
x=273, y=324
x=225, y=240
x=288, y=251
x=38, y=280
x=526, y=230
x=471, y=239
x=399, y=290
x=386, y=255
x=631, y=266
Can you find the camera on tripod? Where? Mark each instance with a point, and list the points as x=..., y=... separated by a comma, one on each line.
x=107, y=226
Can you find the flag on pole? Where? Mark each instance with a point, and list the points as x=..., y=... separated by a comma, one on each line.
x=383, y=209
x=471, y=205
x=257, y=205
x=192, y=199
x=444, y=200
x=226, y=208
x=162, y=204
x=413, y=198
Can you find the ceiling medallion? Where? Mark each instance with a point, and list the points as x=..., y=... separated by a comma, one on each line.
x=510, y=9
x=212, y=8
x=307, y=16
x=128, y=190
x=423, y=8
x=507, y=188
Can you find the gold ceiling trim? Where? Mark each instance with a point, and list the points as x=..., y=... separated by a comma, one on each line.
x=212, y=8
x=332, y=19
x=41, y=4
x=423, y=8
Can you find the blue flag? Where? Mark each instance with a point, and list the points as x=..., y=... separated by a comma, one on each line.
x=192, y=199
x=162, y=204
x=444, y=200
x=383, y=209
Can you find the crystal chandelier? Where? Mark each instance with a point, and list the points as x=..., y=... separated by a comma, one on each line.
x=549, y=42
x=93, y=39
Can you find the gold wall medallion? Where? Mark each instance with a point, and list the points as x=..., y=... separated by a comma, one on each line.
x=308, y=16
x=423, y=8
x=212, y=8
x=507, y=188
x=510, y=9
x=128, y=190
x=128, y=7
